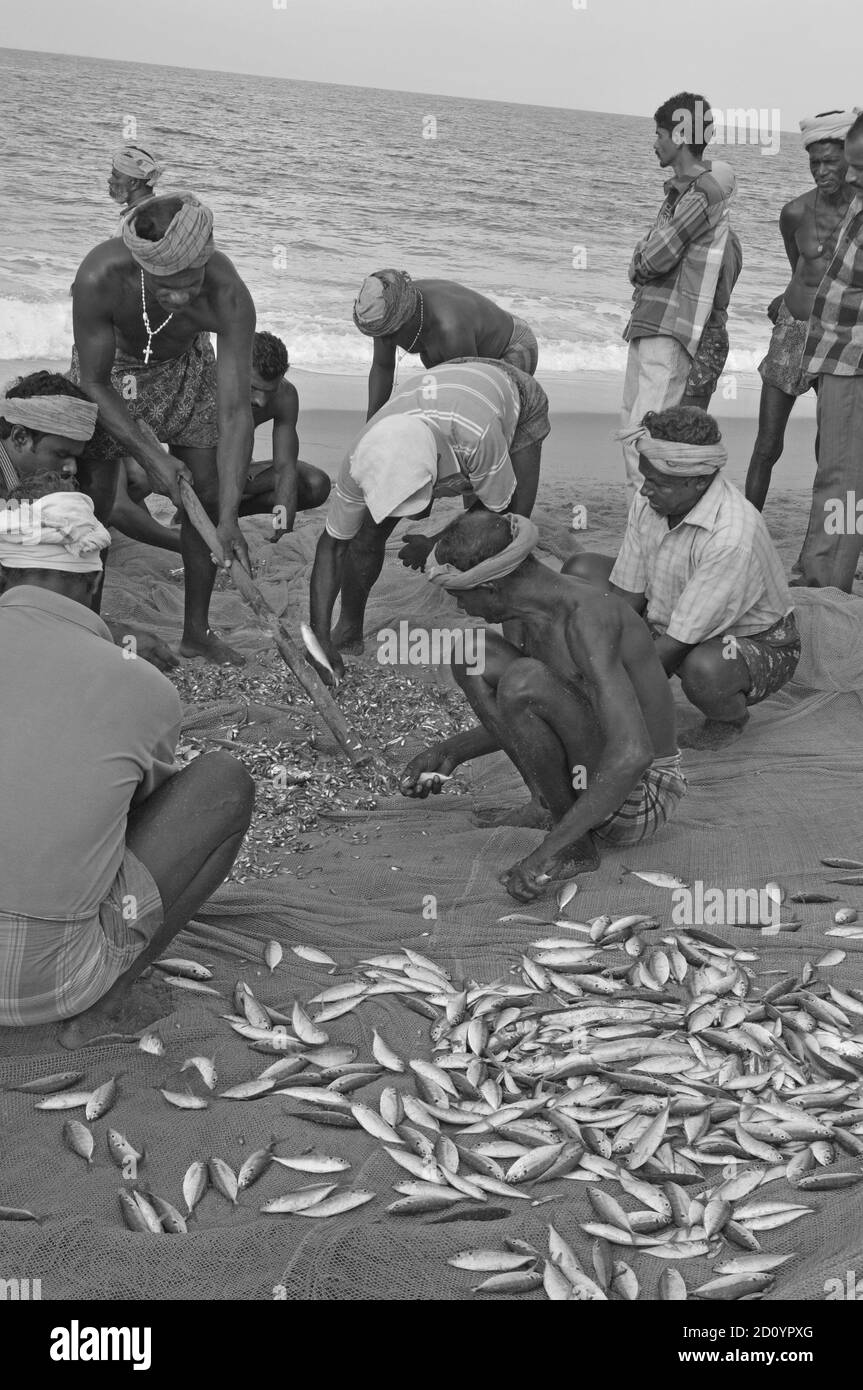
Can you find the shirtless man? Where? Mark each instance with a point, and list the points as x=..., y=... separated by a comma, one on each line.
x=583, y=709
x=809, y=224
x=283, y=484
x=134, y=174
x=144, y=307
x=440, y=321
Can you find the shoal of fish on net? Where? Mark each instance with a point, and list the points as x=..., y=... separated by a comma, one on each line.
x=649, y=1067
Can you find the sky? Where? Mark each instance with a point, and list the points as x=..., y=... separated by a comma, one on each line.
x=601, y=55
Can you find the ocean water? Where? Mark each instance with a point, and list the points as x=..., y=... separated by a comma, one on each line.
x=314, y=186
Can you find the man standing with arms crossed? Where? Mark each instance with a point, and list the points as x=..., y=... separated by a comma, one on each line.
x=675, y=269
x=144, y=307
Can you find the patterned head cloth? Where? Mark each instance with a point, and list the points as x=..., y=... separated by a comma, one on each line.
x=386, y=302
x=136, y=163
x=680, y=460
x=833, y=126
x=525, y=538
x=187, y=243
x=66, y=416
x=56, y=532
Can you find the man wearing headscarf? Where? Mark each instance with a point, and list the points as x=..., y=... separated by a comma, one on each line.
x=134, y=175
x=144, y=307
x=472, y=428
x=583, y=709
x=698, y=562
x=834, y=355
x=108, y=848
x=47, y=424
x=809, y=225
x=440, y=321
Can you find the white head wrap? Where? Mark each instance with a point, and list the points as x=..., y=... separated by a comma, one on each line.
x=832, y=127
x=395, y=464
x=56, y=532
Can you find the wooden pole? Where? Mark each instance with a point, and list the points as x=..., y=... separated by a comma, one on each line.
x=285, y=644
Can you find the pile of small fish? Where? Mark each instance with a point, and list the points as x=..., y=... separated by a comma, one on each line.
x=615, y=1052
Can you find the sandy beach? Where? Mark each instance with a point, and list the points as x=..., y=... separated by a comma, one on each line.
x=581, y=461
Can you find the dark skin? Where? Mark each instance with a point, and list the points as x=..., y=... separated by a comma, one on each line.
x=807, y=223
x=126, y=191
x=52, y=453
x=584, y=690
x=354, y=566
x=188, y=834
x=713, y=680
x=287, y=484
x=107, y=317
x=456, y=322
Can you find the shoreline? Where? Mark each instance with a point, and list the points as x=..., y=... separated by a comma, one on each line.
x=581, y=448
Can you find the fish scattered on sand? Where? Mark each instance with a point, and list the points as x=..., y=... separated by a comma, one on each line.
x=101, y=1100
x=185, y=1100
x=78, y=1138
x=195, y=1184
x=188, y=969
x=312, y=954
x=152, y=1043
x=206, y=1067
x=49, y=1085
x=272, y=955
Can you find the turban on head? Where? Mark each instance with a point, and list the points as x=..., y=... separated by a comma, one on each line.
x=56, y=532
x=832, y=127
x=187, y=243
x=386, y=302
x=136, y=163
x=395, y=464
x=678, y=460
x=525, y=537
x=67, y=416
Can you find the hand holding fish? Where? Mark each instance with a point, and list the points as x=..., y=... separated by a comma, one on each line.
x=427, y=772
x=529, y=878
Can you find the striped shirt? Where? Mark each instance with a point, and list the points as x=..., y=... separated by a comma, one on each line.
x=473, y=409
x=682, y=257
x=835, y=341
x=716, y=572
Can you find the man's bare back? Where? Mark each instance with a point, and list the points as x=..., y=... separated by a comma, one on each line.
x=564, y=637
x=459, y=322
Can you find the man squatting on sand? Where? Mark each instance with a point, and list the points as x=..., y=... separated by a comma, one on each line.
x=809, y=224
x=438, y=319
x=583, y=709
x=698, y=562
x=101, y=816
x=143, y=309
x=470, y=427
x=47, y=425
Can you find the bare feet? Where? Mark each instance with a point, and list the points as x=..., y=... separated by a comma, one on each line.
x=582, y=857
x=348, y=639
x=211, y=648
x=531, y=816
x=713, y=734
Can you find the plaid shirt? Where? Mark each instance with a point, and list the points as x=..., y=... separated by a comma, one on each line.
x=8, y=472
x=682, y=259
x=835, y=341
x=715, y=572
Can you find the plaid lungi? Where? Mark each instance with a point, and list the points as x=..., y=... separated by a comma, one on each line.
x=783, y=365
x=523, y=349
x=56, y=969
x=649, y=805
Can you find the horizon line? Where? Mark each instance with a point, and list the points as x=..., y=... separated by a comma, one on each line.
x=356, y=86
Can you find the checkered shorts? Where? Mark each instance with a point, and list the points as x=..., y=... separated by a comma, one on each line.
x=649, y=805
x=56, y=969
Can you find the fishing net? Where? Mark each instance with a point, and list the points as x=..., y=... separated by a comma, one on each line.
x=420, y=875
